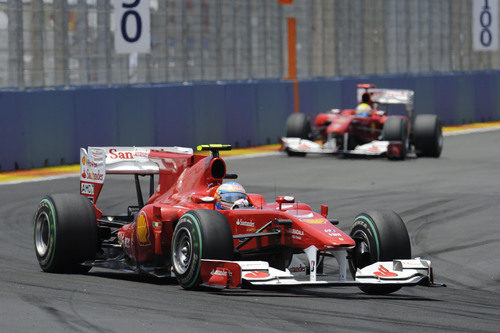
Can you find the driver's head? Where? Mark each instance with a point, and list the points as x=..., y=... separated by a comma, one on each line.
x=228, y=193
x=365, y=98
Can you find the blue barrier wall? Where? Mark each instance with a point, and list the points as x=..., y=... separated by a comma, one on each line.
x=47, y=127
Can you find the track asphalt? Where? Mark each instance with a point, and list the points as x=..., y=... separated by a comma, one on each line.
x=451, y=207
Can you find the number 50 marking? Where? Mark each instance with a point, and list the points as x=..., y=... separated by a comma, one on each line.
x=138, y=22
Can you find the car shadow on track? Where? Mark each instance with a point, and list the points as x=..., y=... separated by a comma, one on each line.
x=294, y=292
x=134, y=277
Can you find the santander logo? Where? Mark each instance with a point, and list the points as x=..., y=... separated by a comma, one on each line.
x=218, y=272
x=384, y=272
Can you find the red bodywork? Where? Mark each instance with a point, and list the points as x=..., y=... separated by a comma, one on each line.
x=360, y=129
x=346, y=121
x=188, y=182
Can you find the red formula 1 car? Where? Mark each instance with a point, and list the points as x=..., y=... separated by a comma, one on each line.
x=374, y=133
x=180, y=231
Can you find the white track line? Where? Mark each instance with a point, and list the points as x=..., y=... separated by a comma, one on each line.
x=239, y=157
x=40, y=179
x=472, y=130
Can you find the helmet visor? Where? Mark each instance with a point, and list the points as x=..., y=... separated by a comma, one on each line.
x=231, y=197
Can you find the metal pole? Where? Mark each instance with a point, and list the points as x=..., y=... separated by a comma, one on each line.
x=235, y=36
x=218, y=40
x=83, y=49
x=16, y=49
x=249, y=39
x=37, y=42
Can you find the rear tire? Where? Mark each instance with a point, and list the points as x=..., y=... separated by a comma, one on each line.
x=298, y=126
x=396, y=129
x=65, y=233
x=199, y=234
x=380, y=235
x=428, y=135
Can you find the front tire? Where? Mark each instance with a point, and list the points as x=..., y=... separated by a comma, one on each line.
x=199, y=234
x=380, y=235
x=65, y=233
x=428, y=135
x=298, y=126
x=396, y=129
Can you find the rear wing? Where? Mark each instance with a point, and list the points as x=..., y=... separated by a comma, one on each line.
x=388, y=96
x=96, y=162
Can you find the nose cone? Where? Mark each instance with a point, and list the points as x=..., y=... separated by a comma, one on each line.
x=339, y=125
x=314, y=229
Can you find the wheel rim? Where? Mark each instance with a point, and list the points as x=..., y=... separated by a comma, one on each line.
x=361, y=256
x=182, y=250
x=42, y=233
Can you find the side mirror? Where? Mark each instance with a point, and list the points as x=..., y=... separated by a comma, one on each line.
x=324, y=211
x=285, y=199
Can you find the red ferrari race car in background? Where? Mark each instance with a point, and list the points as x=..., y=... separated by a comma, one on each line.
x=180, y=231
x=375, y=133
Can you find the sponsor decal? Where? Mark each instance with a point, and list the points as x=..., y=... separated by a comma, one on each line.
x=127, y=242
x=219, y=272
x=89, y=174
x=315, y=221
x=296, y=234
x=257, y=275
x=120, y=155
x=334, y=234
x=341, y=239
x=83, y=160
x=297, y=269
x=384, y=272
x=142, y=229
x=86, y=188
x=245, y=223
x=141, y=153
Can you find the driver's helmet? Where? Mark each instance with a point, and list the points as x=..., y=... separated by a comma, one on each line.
x=228, y=193
x=364, y=108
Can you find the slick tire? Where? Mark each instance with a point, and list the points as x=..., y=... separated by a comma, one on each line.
x=298, y=126
x=199, y=234
x=428, y=135
x=380, y=235
x=396, y=129
x=65, y=233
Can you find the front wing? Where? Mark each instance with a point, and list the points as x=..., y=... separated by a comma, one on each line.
x=231, y=274
x=374, y=148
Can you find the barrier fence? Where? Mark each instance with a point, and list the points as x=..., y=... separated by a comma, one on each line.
x=47, y=127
